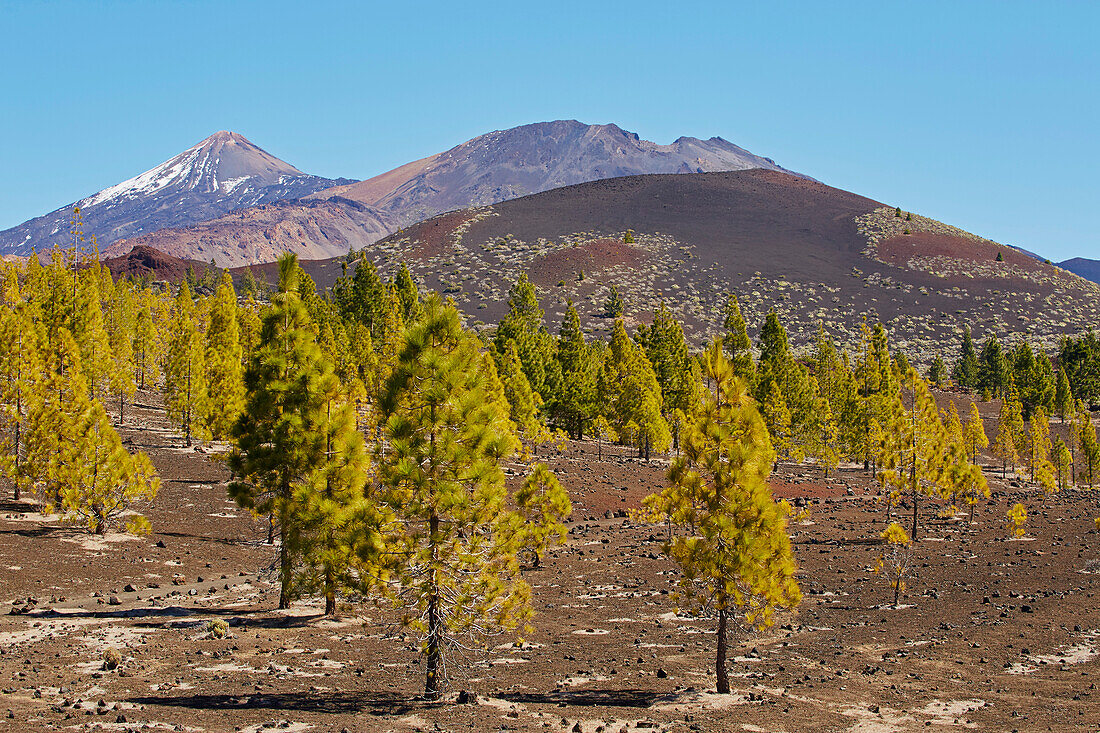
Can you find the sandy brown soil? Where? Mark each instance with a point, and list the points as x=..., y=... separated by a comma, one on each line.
x=994, y=634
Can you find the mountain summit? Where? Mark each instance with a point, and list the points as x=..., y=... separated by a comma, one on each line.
x=491, y=168
x=507, y=164
x=222, y=173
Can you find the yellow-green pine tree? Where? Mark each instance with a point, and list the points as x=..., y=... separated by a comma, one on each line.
x=100, y=482
x=338, y=517
x=1010, y=432
x=734, y=551
x=1039, y=444
x=279, y=440
x=974, y=433
x=224, y=369
x=21, y=374
x=542, y=505
x=185, y=391
x=120, y=335
x=456, y=572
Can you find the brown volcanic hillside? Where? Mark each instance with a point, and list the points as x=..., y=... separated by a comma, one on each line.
x=143, y=260
x=812, y=252
x=311, y=229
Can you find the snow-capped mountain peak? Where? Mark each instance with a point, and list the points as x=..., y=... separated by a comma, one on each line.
x=222, y=173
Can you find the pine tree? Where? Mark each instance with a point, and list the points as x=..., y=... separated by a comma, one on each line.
x=915, y=458
x=1090, y=447
x=1063, y=396
x=777, y=419
x=523, y=325
x=667, y=351
x=974, y=433
x=735, y=340
x=223, y=361
x=120, y=335
x=21, y=373
x=456, y=570
x=98, y=481
x=778, y=364
x=54, y=403
x=407, y=294
x=575, y=402
x=613, y=306
x=1063, y=463
x=146, y=344
x=629, y=395
x=185, y=391
x=337, y=513
x=521, y=401
x=279, y=437
x=90, y=333
x=1010, y=432
x=602, y=431
x=735, y=552
x=937, y=372
x=965, y=372
x=542, y=505
x=895, y=560
x=1039, y=444
x=826, y=449
x=993, y=369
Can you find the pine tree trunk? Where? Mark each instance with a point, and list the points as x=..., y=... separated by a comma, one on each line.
x=897, y=591
x=720, y=663
x=916, y=499
x=330, y=592
x=18, y=493
x=432, y=683
x=284, y=564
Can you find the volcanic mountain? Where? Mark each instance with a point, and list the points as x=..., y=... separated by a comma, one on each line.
x=488, y=169
x=1086, y=268
x=529, y=159
x=222, y=173
x=813, y=253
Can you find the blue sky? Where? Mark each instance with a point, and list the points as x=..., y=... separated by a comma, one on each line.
x=984, y=115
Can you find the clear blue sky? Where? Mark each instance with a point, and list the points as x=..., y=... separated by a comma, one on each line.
x=984, y=115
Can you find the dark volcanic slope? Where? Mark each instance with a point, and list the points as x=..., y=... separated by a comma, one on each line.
x=812, y=252
x=1086, y=268
x=222, y=173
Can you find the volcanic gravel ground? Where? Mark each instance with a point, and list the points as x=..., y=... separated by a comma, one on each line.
x=993, y=634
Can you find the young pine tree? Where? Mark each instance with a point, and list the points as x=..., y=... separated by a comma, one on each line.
x=1063, y=396
x=279, y=437
x=735, y=340
x=965, y=372
x=120, y=335
x=98, y=480
x=338, y=514
x=455, y=568
x=21, y=374
x=1039, y=445
x=915, y=459
x=542, y=505
x=185, y=391
x=974, y=433
x=1010, y=433
x=224, y=369
x=734, y=552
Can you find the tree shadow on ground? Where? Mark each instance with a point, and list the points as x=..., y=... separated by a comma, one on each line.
x=168, y=617
x=618, y=698
x=335, y=703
